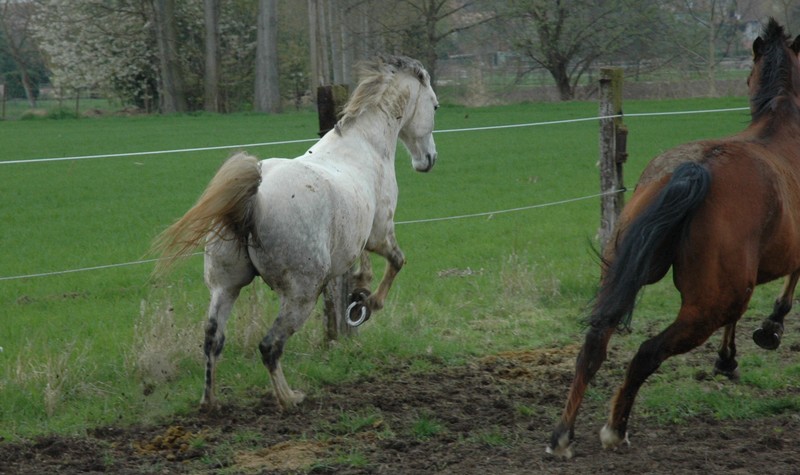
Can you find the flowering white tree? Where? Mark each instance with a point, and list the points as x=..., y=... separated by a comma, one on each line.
x=91, y=45
x=119, y=47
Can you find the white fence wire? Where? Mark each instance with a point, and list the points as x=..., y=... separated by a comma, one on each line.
x=417, y=221
x=284, y=142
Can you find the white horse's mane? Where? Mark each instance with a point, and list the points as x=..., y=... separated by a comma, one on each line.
x=375, y=89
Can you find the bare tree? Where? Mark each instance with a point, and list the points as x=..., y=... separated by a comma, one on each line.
x=567, y=37
x=702, y=29
x=788, y=14
x=441, y=19
x=211, y=100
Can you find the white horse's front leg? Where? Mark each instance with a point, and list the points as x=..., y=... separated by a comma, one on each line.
x=396, y=260
x=362, y=302
x=363, y=278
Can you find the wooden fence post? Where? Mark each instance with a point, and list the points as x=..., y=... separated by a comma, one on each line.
x=330, y=101
x=613, y=139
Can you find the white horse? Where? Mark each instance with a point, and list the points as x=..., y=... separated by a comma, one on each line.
x=298, y=223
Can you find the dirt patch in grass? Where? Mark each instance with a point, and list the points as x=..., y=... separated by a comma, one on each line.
x=493, y=415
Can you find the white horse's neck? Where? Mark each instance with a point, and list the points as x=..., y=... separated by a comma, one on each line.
x=380, y=129
x=380, y=132
x=367, y=143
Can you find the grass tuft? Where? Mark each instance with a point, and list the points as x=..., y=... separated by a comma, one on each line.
x=160, y=343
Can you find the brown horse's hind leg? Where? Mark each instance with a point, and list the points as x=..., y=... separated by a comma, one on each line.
x=692, y=328
x=589, y=360
x=726, y=364
x=769, y=335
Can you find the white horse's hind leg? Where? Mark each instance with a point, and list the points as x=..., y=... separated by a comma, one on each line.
x=294, y=311
x=227, y=270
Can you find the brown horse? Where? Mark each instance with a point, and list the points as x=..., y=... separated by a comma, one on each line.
x=725, y=215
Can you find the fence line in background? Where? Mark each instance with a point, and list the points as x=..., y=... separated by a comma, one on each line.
x=285, y=142
x=416, y=221
x=471, y=129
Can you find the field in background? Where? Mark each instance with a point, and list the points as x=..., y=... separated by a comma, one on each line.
x=112, y=346
x=460, y=82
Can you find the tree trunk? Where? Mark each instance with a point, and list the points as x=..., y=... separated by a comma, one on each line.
x=348, y=47
x=173, y=96
x=335, y=28
x=313, y=30
x=323, y=45
x=712, y=58
x=430, y=46
x=267, y=90
x=565, y=90
x=14, y=47
x=211, y=101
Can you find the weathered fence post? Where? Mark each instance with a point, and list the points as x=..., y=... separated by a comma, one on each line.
x=613, y=139
x=330, y=101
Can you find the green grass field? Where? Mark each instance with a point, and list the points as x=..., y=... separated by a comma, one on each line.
x=82, y=349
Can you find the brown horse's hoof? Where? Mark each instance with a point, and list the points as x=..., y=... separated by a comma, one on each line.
x=769, y=339
x=731, y=374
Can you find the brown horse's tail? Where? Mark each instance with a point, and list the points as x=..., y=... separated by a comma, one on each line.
x=649, y=245
x=226, y=206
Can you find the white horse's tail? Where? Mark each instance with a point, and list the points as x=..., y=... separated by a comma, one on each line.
x=225, y=209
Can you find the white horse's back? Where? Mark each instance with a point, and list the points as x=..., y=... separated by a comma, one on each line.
x=312, y=218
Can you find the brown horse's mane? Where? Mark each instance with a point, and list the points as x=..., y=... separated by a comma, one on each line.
x=772, y=51
x=374, y=92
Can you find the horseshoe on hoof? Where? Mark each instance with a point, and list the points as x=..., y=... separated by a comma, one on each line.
x=358, y=295
x=356, y=308
x=766, y=339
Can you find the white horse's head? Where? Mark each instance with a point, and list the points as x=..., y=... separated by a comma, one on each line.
x=398, y=88
x=416, y=132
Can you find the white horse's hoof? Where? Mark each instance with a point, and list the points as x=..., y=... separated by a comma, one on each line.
x=563, y=449
x=610, y=438
x=356, y=314
x=292, y=401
